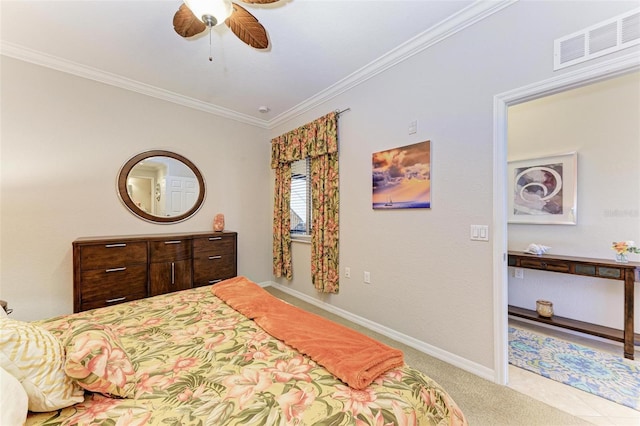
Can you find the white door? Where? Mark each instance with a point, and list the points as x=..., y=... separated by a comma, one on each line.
x=181, y=194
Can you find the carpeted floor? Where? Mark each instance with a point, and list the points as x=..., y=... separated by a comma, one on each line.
x=603, y=374
x=484, y=403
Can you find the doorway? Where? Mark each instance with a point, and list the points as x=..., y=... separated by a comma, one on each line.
x=582, y=77
x=140, y=191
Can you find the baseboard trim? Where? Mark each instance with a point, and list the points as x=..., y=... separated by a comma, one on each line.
x=448, y=357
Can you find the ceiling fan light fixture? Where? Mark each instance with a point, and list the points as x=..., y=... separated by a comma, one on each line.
x=210, y=12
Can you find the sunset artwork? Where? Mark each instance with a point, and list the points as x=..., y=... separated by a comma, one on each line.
x=402, y=177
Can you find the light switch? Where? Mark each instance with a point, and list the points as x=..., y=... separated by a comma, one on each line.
x=483, y=233
x=479, y=233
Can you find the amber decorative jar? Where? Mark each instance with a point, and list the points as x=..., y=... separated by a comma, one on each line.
x=544, y=308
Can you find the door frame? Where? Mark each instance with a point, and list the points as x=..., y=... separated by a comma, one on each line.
x=581, y=77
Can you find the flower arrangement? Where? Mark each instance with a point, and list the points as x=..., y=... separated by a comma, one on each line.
x=624, y=247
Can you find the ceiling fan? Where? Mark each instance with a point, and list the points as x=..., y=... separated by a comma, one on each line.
x=195, y=16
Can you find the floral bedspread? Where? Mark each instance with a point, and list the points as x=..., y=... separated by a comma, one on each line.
x=199, y=362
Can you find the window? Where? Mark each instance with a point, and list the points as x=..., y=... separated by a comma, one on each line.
x=300, y=198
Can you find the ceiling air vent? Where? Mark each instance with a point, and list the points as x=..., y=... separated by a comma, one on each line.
x=608, y=36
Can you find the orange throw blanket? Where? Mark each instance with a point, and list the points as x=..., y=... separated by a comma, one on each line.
x=354, y=358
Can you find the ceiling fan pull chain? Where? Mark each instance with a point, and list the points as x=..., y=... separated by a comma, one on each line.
x=210, y=54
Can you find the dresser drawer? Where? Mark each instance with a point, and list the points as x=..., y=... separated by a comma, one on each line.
x=545, y=265
x=112, y=255
x=212, y=269
x=103, y=287
x=215, y=244
x=169, y=250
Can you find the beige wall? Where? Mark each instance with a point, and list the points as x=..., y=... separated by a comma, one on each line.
x=429, y=281
x=64, y=139
x=601, y=123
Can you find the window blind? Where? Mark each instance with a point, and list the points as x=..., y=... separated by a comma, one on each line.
x=300, y=197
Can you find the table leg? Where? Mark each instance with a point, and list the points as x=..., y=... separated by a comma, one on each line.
x=628, y=314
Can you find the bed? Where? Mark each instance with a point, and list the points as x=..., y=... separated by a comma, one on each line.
x=190, y=358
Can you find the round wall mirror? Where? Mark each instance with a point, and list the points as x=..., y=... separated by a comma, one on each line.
x=161, y=186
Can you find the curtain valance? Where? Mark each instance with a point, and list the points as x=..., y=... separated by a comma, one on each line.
x=317, y=138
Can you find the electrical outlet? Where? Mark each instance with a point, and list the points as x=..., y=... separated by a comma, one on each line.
x=518, y=273
x=367, y=277
x=347, y=272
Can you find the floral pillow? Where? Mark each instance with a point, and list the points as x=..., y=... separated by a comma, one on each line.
x=35, y=358
x=97, y=361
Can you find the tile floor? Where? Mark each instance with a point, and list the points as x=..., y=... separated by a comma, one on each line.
x=581, y=404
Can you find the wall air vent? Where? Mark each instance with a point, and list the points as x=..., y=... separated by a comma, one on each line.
x=608, y=36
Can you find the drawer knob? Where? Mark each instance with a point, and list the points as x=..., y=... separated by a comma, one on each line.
x=124, y=268
x=214, y=281
x=117, y=299
x=173, y=242
x=215, y=257
x=115, y=245
x=214, y=238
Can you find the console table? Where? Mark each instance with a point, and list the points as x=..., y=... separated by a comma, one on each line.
x=600, y=268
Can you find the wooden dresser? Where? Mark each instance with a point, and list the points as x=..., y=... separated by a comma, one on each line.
x=111, y=270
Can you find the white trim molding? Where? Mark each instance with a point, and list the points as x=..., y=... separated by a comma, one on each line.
x=501, y=102
x=475, y=12
x=38, y=58
x=468, y=16
x=448, y=357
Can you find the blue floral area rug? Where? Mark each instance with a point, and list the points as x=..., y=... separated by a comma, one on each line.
x=603, y=374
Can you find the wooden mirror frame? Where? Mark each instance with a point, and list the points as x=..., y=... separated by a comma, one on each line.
x=123, y=175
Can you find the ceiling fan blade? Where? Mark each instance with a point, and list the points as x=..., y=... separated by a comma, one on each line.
x=186, y=24
x=247, y=28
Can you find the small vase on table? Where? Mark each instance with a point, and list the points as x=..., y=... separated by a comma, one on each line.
x=623, y=248
x=622, y=258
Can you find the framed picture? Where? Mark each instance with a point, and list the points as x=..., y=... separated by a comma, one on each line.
x=402, y=177
x=543, y=190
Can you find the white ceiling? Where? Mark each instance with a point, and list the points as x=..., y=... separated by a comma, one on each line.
x=317, y=47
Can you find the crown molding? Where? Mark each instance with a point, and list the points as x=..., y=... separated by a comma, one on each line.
x=468, y=16
x=28, y=55
x=473, y=13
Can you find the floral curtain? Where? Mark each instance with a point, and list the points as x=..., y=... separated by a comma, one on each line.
x=281, y=221
x=319, y=141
